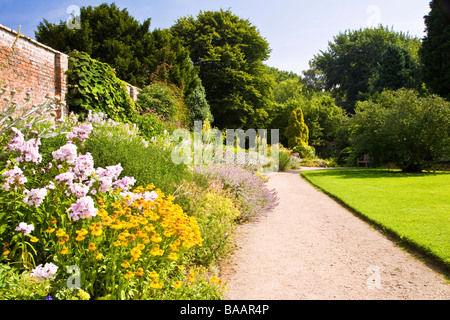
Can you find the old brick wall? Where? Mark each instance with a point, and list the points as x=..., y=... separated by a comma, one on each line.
x=33, y=67
x=37, y=68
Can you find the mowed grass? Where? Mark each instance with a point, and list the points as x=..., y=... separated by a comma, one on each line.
x=414, y=207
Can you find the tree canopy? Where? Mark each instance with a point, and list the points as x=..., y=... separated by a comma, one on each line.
x=435, y=51
x=229, y=52
x=353, y=58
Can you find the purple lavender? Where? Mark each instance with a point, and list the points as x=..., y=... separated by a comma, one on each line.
x=250, y=190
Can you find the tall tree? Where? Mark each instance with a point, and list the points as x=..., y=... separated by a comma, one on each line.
x=435, y=52
x=113, y=36
x=353, y=58
x=229, y=52
x=398, y=69
x=106, y=33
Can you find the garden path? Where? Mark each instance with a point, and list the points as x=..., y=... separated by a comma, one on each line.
x=310, y=247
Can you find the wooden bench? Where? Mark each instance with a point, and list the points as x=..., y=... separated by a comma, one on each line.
x=364, y=160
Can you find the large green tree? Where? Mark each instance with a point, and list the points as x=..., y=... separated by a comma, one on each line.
x=229, y=52
x=398, y=69
x=353, y=58
x=111, y=35
x=106, y=33
x=435, y=52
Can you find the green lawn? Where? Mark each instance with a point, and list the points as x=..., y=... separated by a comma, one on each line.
x=415, y=207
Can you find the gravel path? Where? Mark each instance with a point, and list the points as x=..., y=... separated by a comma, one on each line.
x=310, y=247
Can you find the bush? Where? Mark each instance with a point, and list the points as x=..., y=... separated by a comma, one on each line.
x=166, y=100
x=147, y=161
x=305, y=151
x=215, y=213
x=93, y=85
x=403, y=128
x=126, y=245
x=297, y=131
x=247, y=188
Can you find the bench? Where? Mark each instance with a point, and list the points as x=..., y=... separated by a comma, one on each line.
x=364, y=160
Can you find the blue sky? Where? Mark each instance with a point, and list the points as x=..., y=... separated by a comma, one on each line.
x=295, y=29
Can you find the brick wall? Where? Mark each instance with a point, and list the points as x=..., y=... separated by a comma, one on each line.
x=33, y=67
x=37, y=68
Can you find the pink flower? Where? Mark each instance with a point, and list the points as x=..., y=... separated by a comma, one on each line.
x=47, y=271
x=125, y=183
x=83, y=208
x=66, y=177
x=83, y=166
x=26, y=228
x=81, y=132
x=14, y=178
x=79, y=190
x=29, y=150
x=35, y=197
x=66, y=153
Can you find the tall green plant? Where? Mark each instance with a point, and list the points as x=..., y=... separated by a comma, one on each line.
x=297, y=131
x=93, y=85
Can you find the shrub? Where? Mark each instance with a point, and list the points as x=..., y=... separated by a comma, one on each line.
x=305, y=151
x=297, y=131
x=404, y=128
x=93, y=85
x=166, y=100
x=215, y=213
x=147, y=161
x=127, y=245
x=247, y=188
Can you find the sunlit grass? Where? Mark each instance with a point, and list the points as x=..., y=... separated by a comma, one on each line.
x=415, y=207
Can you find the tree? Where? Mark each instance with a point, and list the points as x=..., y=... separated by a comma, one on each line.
x=113, y=36
x=435, y=52
x=199, y=106
x=353, y=58
x=398, y=69
x=108, y=34
x=404, y=128
x=297, y=131
x=229, y=52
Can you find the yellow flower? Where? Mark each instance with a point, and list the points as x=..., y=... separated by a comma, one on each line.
x=92, y=247
x=34, y=239
x=140, y=272
x=83, y=295
x=63, y=240
x=50, y=230
x=80, y=238
x=180, y=267
x=155, y=284
x=156, y=238
x=153, y=274
x=177, y=284
x=140, y=246
x=116, y=243
x=5, y=252
x=60, y=233
x=98, y=256
x=129, y=275
x=213, y=279
x=173, y=256
x=125, y=264
x=64, y=250
x=53, y=221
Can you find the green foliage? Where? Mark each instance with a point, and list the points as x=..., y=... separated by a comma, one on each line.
x=93, y=85
x=147, y=162
x=229, y=52
x=15, y=286
x=398, y=69
x=215, y=212
x=404, y=128
x=297, y=131
x=164, y=99
x=108, y=34
x=199, y=106
x=353, y=58
x=304, y=151
x=435, y=51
